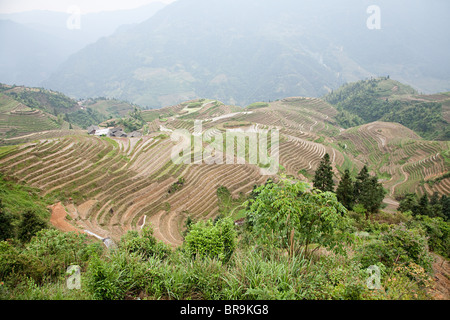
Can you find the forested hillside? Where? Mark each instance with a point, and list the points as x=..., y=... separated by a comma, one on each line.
x=384, y=99
x=25, y=110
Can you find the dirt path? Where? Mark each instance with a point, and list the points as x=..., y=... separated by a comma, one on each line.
x=392, y=204
x=441, y=268
x=58, y=218
x=405, y=174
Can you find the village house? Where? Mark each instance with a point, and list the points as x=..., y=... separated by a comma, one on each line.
x=112, y=132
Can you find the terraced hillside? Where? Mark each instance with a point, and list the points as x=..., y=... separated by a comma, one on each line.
x=111, y=185
x=400, y=158
x=50, y=110
x=17, y=119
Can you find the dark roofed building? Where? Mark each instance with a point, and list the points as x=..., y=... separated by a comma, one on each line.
x=118, y=133
x=92, y=129
x=135, y=134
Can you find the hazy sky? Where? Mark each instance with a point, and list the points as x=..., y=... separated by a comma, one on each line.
x=9, y=6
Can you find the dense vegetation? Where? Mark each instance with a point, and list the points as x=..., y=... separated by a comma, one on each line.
x=22, y=211
x=434, y=207
x=365, y=192
x=315, y=249
x=39, y=98
x=85, y=118
x=55, y=103
x=381, y=100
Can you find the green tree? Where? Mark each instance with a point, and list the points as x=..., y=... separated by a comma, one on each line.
x=437, y=231
x=344, y=191
x=289, y=215
x=368, y=191
x=323, y=177
x=435, y=206
x=408, y=203
x=423, y=207
x=361, y=180
x=6, y=227
x=29, y=226
x=445, y=203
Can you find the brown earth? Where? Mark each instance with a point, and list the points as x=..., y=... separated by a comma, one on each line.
x=441, y=268
x=58, y=218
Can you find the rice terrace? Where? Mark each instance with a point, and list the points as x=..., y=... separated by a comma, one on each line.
x=225, y=154
x=112, y=185
x=107, y=186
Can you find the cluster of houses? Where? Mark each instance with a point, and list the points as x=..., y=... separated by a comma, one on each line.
x=112, y=132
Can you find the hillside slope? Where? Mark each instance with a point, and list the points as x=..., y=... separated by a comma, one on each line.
x=25, y=110
x=388, y=100
x=111, y=185
x=17, y=119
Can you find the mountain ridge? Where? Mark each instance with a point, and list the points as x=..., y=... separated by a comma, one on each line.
x=34, y=43
x=253, y=51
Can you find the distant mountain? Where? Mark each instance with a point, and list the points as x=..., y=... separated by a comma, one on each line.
x=92, y=25
x=28, y=56
x=241, y=51
x=34, y=43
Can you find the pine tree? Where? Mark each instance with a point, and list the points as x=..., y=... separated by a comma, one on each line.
x=368, y=191
x=344, y=191
x=361, y=180
x=373, y=195
x=323, y=178
x=423, y=207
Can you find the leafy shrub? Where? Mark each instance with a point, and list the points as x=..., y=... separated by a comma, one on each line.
x=144, y=244
x=57, y=250
x=287, y=213
x=11, y=260
x=104, y=281
x=177, y=185
x=115, y=276
x=29, y=226
x=398, y=245
x=206, y=239
x=407, y=282
x=438, y=233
